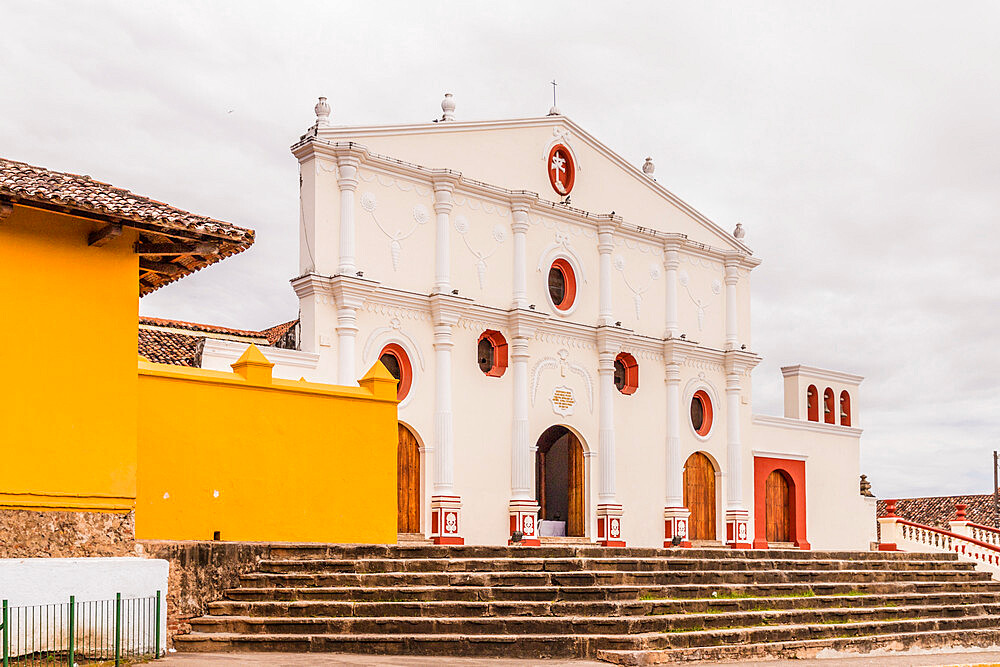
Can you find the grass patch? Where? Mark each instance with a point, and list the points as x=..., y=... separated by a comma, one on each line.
x=674, y=631
x=856, y=593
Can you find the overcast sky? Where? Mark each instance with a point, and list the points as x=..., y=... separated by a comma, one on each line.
x=857, y=142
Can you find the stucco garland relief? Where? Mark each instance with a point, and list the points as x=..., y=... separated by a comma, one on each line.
x=561, y=135
x=562, y=363
x=700, y=304
x=694, y=260
x=637, y=292
x=703, y=365
x=479, y=205
x=563, y=228
x=641, y=247
x=395, y=311
x=327, y=166
x=420, y=217
x=566, y=341
x=393, y=333
x=562, y=247
x=480, y=325
x=399, y=184
x=499, y=236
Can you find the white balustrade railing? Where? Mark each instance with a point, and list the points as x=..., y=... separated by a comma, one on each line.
x=902, y=535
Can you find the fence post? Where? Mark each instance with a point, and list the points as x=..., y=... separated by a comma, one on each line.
x=118, y=629
x=157, y=644
x=72, y=630
x=6, y=635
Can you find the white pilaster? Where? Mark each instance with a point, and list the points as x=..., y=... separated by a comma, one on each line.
x=349, y=293
x=348, y=182
x=605, y=246
x=732, y=323
x=671, y=262
x=519, y=208
x=675, y=515
x=609, y=511
x=737, y=515
x=445, y=503
x=444, y=187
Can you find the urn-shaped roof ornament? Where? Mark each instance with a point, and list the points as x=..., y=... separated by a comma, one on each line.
x=448, y=107
x=739, y=232
x=322, y=113
x=648, y=167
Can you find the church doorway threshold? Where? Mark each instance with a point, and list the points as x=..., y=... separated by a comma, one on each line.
x=559, y=484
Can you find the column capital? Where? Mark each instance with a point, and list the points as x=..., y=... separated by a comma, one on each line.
x=608, y=224
x=673, y=373
x=447, y=309
x=351, y=291
x=347, y=172
x=611, y=339
x=732, y=264
x=739, y=362
x=524, y=322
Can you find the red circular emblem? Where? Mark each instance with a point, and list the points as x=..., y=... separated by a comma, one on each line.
x=562, y=169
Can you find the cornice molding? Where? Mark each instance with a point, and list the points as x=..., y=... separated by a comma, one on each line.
x=233, y=349
x=821, y=374
x=801, y=425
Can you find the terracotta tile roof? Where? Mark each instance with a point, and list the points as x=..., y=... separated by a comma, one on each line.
x=166, y=341
x=937, y=511
x=168, y=347
x=28, y=185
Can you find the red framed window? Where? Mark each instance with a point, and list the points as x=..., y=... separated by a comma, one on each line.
x=562, y=284
x=845, y=408
x=829, y=416
x=701, y=413
x=812, y=403
x=626, y=373
x=491, y=353
x=397, y=362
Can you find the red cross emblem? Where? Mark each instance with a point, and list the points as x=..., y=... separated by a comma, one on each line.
x=562, y=169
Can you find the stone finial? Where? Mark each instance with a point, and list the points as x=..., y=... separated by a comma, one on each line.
x=322, y=113
x=253, y=366
x=739, y=232
x=554, y=111
x=448, y=107
x=960, y=512
x=866, y=487
x=890, y=508
x=648, y=167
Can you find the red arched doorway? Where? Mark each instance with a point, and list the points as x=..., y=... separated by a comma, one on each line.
x=779, y=502
x=559, y=480
x=699, y=496
x=407, y=482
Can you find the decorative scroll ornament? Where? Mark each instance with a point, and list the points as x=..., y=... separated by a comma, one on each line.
x=420, y=217
x=685, y=280
x=637, y=292
x=565, y=366
x=499, y=236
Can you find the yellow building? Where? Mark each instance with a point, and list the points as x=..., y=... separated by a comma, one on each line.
x=74, y=412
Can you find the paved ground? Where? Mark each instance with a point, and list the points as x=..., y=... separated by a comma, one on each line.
x=977, y=658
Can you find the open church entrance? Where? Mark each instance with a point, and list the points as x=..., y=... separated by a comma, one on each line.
x=407, y=482
x=559, y=483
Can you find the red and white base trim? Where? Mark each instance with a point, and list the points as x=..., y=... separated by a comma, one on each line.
x=738, y=529
x=524, y=520
x=675, y=522
x=609, y=525
x=445, y=526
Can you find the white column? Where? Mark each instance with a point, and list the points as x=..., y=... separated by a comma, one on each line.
x=606, y=427
x=348, y=182
x=519, y=226
x=605, y=245
x=347, y=331
x=675, y=466
x=444, y=463
x=443, y=190
x=522, y=462
x=734, y=488
x=671, y=261
x=732, y=324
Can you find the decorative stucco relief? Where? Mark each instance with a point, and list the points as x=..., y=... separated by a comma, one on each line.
x=499, y=236
x=648, y=248
x=327, y=166
x=562, y=247
x=398, y=183
x=701, y=305
x=565, y=340
x=480, y=205
x=637, y=292
x=564, y=366
x=420, y=217
x=394, y=333
x=563, y=228
x=391, y=311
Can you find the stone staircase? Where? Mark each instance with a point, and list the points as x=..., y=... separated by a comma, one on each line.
x=627, y=606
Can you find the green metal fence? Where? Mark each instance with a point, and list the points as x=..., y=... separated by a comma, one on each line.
x=119, y=631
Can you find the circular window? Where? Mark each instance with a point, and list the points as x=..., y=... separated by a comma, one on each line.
x=491, y=353
x=626, y=373
x=701, y=413
x=562, y=284
x=396, y=361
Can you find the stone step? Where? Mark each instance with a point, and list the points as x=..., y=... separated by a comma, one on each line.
x=597, y=593
x=540, y=646
x=569, y=625
x=592, y=578
x=335, y=551
x=474, y=609
x=942, y=640
x=442, y=565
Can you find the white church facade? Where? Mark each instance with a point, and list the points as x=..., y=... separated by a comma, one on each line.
x=572, y=341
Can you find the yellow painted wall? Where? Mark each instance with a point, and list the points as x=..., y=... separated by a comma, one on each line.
x=67, y=350
x=289, y=461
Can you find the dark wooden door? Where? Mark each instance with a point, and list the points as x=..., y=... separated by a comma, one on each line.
x=699, y=496
x=408, y=482
x=575, y=521
x=777, y=515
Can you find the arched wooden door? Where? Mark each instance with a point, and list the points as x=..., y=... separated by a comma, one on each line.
x=777, y=511
x=407, y=482
x=560, y=479
x=574, y=524
x=699, y=496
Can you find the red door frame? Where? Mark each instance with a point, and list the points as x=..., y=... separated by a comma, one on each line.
x=795, y=472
